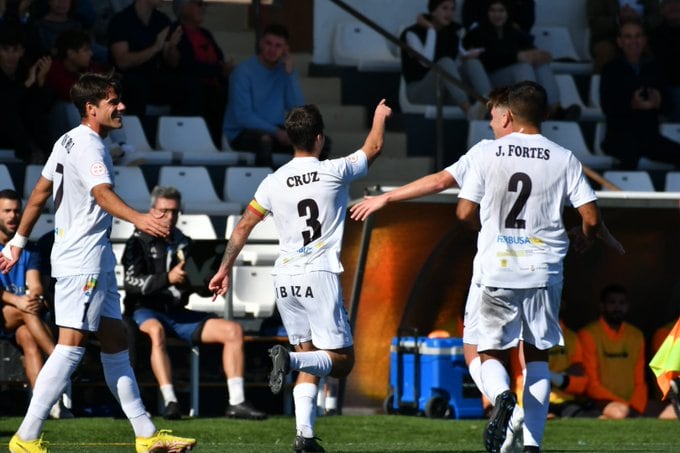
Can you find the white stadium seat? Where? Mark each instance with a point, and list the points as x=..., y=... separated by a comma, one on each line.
x=43, y=225
x=196, y=226
x=357, y=44
x=131, y=187
x=240, y=183
x=673, y=181
x=569, y=95
x=189, y=135
x=198, y=194
x=636, y=181
x=569, y=135
x=132, y=134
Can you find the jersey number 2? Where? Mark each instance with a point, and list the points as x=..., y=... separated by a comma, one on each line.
x=309, y=210
x=511, y=221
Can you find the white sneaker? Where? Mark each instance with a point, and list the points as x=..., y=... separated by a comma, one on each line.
x=514, y=439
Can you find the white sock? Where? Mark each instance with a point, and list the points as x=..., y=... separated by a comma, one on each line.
x=168, y=392
x=317, y=363
x=475, y=369
x=49, y=386
x=304, y=396
x=122, y=382
x=536, y=401
x=495, y=379
x=236, y=394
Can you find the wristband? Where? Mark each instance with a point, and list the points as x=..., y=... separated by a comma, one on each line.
x=18, y=241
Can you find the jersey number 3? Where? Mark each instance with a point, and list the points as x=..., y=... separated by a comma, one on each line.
x=511, y=221
x=309, y=210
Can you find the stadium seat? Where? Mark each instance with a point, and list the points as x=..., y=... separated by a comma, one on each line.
x=252, y=292
x=118, y=250
x=121, y=230
x=428, y=111
x=5, y=178
x=7, y=156
x=357, y=44
x=569, y=95
x=240, y=183
x=196, y=226
x=635, y=181
x=569, y=135
x=132, y=134
x=594, y=92
x=245, y=157
x=198, y=193
x=31, y=175
x=478, y=130
x=672, y=181
x=131, y=187
x=571, y=14
x=43, y=225
x=189, y=136
x=644, y=163
x=556, y=40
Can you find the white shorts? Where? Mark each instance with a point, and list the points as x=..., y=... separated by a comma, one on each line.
x=471, y=317
x=311, y=307
x=81, y=300
x=509, y=315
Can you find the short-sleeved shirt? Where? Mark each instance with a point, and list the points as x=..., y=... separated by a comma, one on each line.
x=308, y=199
x=79, y=162
x=15, y=280
x=521, y=182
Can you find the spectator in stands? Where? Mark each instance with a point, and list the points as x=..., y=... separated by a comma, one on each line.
x=23, y=301
x=25, y=100
x=56, y=20
x=665, y=44
x=523, y=13
x=18, y=13
x=614, y=358
x=633, y=94
x=510, y=57
x=435, y=35
x=605, y=18
x=200, y=57
x=261, y=90
x=156, y=291
x=73, y=58
x=140, y=45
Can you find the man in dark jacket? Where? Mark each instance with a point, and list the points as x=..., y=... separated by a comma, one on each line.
x=156, y=292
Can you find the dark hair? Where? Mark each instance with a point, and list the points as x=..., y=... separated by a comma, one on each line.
x=528, y=101
x=303, y=124
x=71, y=40
x=10, y=194
x=92, y=88
x=611, y=289
x=630, y=21
x=498, y=97
x=277, y=30
x=434, y=4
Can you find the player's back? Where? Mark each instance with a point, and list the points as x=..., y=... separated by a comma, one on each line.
x=308, y=199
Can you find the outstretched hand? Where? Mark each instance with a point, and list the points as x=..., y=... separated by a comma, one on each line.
x=382, y=110
x=219, y=284
x=9, y=257
x=366, y=207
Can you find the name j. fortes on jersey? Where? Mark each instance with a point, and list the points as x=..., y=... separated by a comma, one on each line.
x=524, y=152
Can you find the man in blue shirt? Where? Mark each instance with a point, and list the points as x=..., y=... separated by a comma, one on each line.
x=21, y=292
x=261, y=90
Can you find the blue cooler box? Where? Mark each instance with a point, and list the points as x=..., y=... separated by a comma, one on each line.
x=429, y=375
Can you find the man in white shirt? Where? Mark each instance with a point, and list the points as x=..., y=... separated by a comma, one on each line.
x=79, y=175
x=308, y=199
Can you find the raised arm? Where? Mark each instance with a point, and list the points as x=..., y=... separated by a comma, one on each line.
x=374, y=141
x=110, y=202
x=219, y=284
x=427, y=185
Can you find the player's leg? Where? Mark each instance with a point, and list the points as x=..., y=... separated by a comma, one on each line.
x=541, y=331
x=304, y=395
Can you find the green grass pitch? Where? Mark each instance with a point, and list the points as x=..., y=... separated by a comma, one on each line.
x=371, y=433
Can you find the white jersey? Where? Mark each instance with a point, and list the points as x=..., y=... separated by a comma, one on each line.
x=79, y=162
x=308, y=199
x=521, y=182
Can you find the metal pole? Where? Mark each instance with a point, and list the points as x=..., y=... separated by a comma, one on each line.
x=439, y=158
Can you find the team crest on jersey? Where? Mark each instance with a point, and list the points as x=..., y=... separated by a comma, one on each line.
x=352, y=159
x=98, y=169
